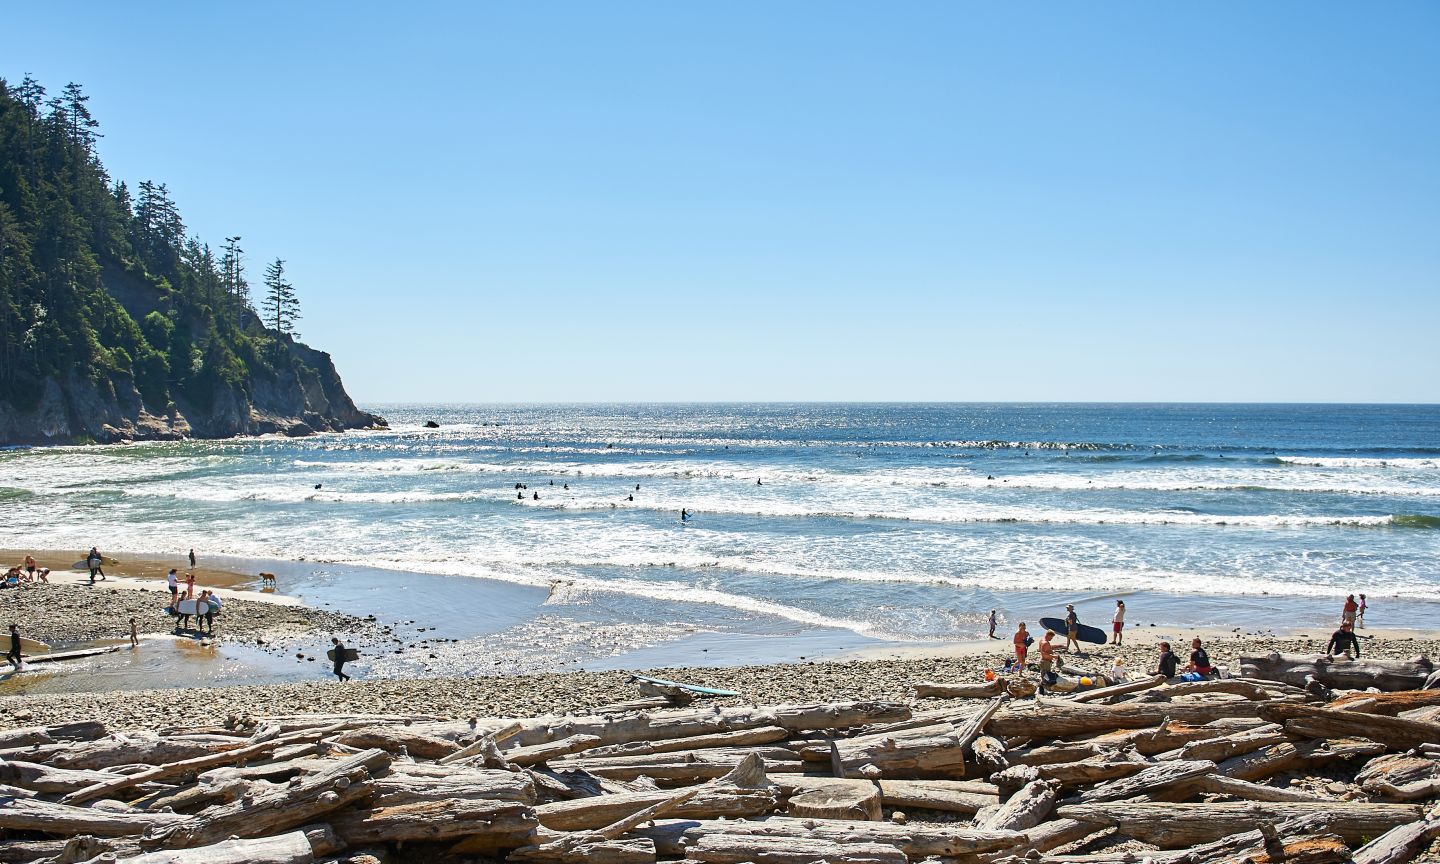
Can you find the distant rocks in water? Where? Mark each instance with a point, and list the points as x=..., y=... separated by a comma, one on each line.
x=431, y=424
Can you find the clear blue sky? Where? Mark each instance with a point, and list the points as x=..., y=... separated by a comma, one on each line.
x=811, y=201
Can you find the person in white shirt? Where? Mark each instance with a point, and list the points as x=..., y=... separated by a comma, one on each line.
x=1118, y=623
x=173, y=582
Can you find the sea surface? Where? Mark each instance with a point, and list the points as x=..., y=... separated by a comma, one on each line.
x=838, y=523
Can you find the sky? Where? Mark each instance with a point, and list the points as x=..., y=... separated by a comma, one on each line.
x=810, y=201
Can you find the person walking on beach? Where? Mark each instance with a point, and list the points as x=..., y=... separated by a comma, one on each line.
x=95, y=561
x=1118, y=623
x=340, y=660
x=192, y=559
x=992, y=624
x=212, y=601
x=1168, y=662
x=14, y=655
x=1047, y=654
x=1360, y=614
x=1343, y=640
x=172, y=581
x=134, y=635
x=1072, y=628
x=1347, y=613
x=1022, y=647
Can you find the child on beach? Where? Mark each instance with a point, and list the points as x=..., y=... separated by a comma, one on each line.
x=1118, y=623
x=134, y=635
x=189, y=585
x=1360, y=614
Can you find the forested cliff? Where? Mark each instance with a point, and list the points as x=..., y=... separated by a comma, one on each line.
x=114, y=324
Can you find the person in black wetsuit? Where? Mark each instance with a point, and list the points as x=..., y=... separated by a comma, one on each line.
x=340, y=659
x=14, y=655
x=1343, y=640
x=1168, y=661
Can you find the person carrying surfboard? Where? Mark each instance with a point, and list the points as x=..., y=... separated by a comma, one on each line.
x=1072, y=628
x=340, y=660
x=14, y=655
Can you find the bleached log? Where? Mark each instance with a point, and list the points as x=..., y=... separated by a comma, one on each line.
x=1223, y=747
x=86, y=730
x=837, y=799
x=545, y=752
x=1396, y=732
x=47, y=779
x=662, y=725
x=483, y=743
x=393, y=739
x=1174, y=826
x=291, y=848
x=586, y=814
x=1338, y=672
x=948, y=795
x=735, y=849
x=686, y=767
x=1279, y=758
x=1402, y=843
x=629, y=850
x=268, y=811
x=1050, y=754
x=1042, y=838
x=952, y=714
x=30, y=814
x=1401, y=777
x=1243, y=789
x=1155, y=777
x=183, y=767
x=916, y=841
x=503, y=822
x=1108, y=765
x=1025, y=809
x=1059, y=719
x=741, y=738
x=928, y=749
x=989, y=753
x=1247, y=845
x=194, y=797
x=1233, y=686
x=411, y=783
x=81, y=848
x=145, y=748
x=1102, y=693
x=934, y=690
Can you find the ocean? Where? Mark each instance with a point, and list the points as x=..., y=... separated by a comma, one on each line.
x=827, y=525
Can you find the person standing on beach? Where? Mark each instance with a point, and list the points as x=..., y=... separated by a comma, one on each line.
x=192, y=559
x=134, y=635
x=1360, y=614
x=992, y=624
x=340, y=660
x=1047, y=654
x=173, y=582
x=1118, y=623
x=95, y=561
x=1347, y=613
x=1072, y=628
x=1022, y=646
x=14, y=655
x=189, y=585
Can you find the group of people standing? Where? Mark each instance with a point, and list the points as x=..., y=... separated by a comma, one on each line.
x=1344, y=640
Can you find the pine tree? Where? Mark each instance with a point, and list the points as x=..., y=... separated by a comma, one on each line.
x=280, y=306
x=232, y=274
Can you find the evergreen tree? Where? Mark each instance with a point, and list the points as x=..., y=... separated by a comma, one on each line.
x=280, y=306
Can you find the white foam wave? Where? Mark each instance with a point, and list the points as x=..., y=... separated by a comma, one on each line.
x=1403, y=463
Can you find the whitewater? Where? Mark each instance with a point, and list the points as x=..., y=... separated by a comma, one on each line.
x=894, y=522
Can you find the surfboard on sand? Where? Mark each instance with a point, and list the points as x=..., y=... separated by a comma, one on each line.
x=693, y=688
x=350, y=654
x=1093, y=635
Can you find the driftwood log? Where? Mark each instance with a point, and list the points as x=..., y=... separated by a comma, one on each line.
x=1298, y=669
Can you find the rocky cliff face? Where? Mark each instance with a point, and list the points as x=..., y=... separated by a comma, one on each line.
x=306, y=398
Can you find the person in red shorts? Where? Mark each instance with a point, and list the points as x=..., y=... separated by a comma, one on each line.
x=1118, y=623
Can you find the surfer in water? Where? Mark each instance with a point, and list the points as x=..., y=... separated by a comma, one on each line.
x=339, y=659
x=684, y=515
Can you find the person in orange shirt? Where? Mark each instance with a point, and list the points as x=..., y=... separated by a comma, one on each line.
x=1347, y=615
x=1022, y=645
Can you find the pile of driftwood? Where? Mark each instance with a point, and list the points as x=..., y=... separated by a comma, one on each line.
x=1147, y=770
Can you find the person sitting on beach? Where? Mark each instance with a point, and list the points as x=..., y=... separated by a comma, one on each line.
x=1347, y=613
x=1199, y=660
x=1343, y=640
x=1168, y=662
x=12, y=578
x=1360, y=614
x=1118, y=623
x=1072, y=628
x=1022, y=646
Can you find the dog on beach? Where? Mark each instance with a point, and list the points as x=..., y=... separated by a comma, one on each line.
x=267, y=580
